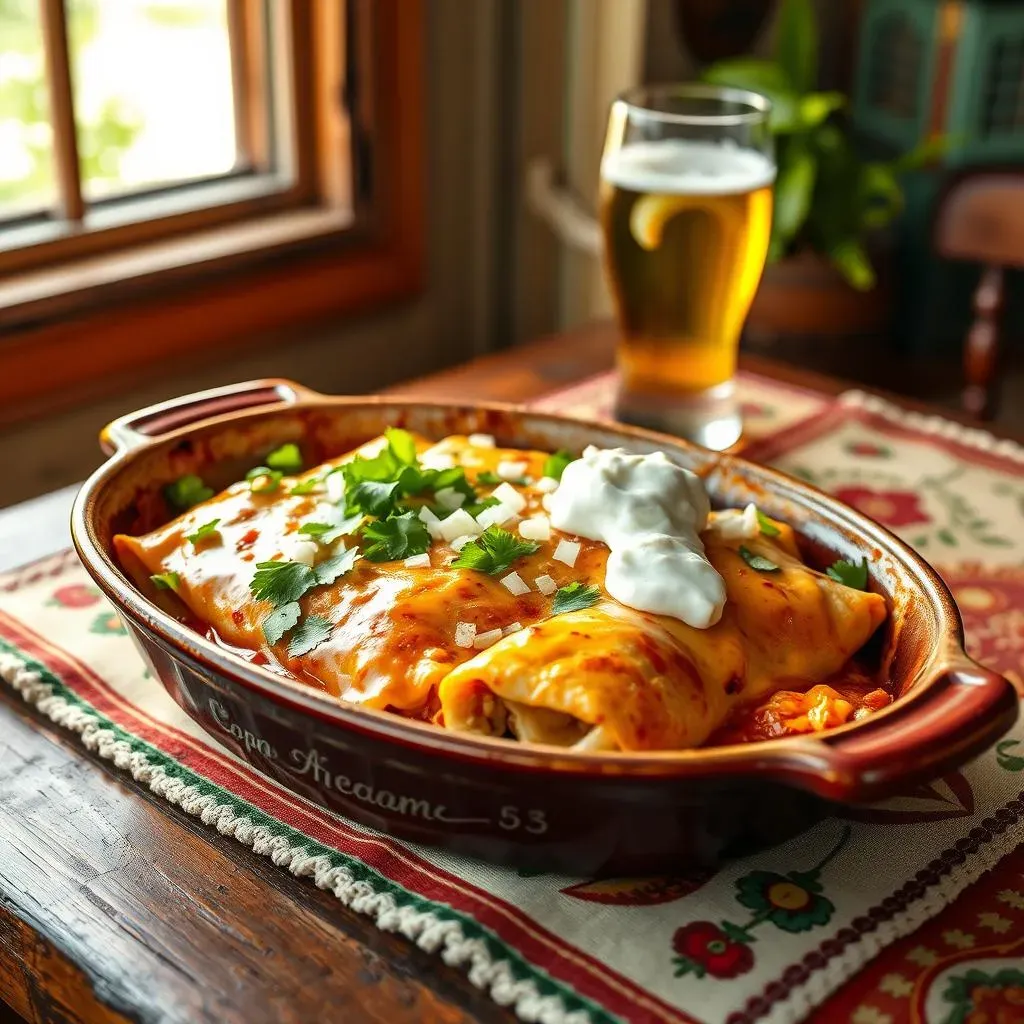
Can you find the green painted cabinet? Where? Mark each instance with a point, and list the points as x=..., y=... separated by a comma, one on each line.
x=950, y=68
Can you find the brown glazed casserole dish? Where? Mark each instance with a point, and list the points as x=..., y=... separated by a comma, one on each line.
x=623, y=813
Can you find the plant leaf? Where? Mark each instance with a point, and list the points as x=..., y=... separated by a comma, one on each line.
x=279, y=621
x=287, y=458
x=312, y=632
x=575, y=597
x=796, y=43
x=330, y=569
x=187, y=491
x=794, y=189
x=815, y=107
x=493, y=551
x=765, y=77
x=165, y=580
x=554, y=465
x=281, y=582
x=204, y=531
x=850, y=259
x=400, y=537
x=757, y=562
x=850, y=574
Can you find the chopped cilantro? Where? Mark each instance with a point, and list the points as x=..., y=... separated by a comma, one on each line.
x=332, y=568
x=487, y=477
x=478, y=506
x=281, y=582
x=279, y=621
x=312, y=632
x=768, y=528
x=307, y=486
x=455, y=478
x=204, y=531
x=493, y=551
x=187, y=491
x=758, y=562
x=401, y=444
x=165, y=580
x=336, y=525
x=263, y=480
x=554, y=465
x=287, y=458
x=398, y=537
x=850, y=574
x=372, y=498
x=574, y=597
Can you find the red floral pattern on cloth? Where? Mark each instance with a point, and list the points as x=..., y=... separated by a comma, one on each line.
x=991, y=601
x=705, y=948
x=982, y=931
x=75, y=595
x=893, y=508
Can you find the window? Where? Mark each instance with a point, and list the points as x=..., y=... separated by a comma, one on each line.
x=244, y=164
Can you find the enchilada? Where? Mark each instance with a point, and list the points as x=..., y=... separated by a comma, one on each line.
x=443, y=582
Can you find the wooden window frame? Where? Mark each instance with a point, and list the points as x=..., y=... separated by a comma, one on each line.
x=109, y=307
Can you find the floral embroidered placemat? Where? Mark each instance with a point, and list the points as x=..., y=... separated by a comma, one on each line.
x=856, y=919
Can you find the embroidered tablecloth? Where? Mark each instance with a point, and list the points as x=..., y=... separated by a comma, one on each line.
x=908, y=910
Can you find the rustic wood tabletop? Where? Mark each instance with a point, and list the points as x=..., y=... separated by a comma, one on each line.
x=114, y=907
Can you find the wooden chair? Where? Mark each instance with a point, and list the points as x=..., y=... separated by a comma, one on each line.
x=981, y=218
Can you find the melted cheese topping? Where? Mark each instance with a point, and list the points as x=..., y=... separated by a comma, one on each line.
x=484, y=653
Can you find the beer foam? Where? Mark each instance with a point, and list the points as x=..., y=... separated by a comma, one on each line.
x=686, y=167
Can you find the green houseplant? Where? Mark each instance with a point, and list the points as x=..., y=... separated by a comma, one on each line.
x=827, y=198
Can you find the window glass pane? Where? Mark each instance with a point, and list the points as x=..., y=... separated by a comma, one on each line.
x=153, y=94
x=26, y=142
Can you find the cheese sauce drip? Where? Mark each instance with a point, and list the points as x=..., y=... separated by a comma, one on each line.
x=649, y=512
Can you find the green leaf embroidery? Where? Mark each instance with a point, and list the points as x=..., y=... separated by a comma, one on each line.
x=758, y=562
x=947, y=538
x=574, y=597
x=279, y=621
x=312, y=632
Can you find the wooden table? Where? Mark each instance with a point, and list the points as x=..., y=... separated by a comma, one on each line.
x=115, y=907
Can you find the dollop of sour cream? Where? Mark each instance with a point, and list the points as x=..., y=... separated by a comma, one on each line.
x=649, y=512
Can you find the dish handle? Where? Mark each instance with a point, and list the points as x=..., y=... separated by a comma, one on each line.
x=140, y=427
x=958, y=717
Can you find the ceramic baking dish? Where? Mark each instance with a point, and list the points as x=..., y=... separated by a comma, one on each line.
x=534, y=806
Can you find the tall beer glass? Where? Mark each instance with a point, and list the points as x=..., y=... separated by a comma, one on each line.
x=686, y=208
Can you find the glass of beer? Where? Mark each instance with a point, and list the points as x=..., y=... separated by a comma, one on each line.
x=686, y=209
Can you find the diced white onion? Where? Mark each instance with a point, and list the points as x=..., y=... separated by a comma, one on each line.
x=495, y=515
x=547, y=484
x=545, y=584
x=732, y=524
x=535, y=528
x=449, y=498
x=421, y=561
x=465, y=633
x=335, y=484
x=458, y=523
x=431, y=522
x=512, y=627
x=481, y=440
x=460, y=542
x=546, y=502
x=515, y=584
x=512, y=470
x=303, y=551
x=484, y=640
x=508, y=495
x=567, y=551
x=437, y=460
